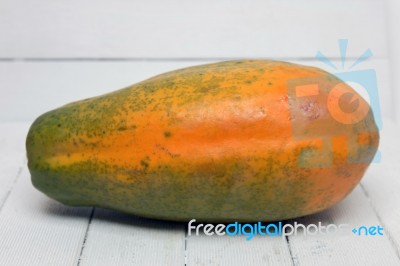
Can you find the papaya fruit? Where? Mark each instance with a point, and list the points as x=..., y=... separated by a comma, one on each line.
x=242, y=140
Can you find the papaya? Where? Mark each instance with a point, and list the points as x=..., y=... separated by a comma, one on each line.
x=241, y=140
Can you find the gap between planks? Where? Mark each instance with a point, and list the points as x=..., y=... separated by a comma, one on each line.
x=294, y=260
x=86, y=235
x=3, y=202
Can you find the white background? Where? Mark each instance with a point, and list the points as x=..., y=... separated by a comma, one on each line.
x=52, y=52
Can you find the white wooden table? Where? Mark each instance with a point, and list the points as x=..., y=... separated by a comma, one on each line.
x=54, y=52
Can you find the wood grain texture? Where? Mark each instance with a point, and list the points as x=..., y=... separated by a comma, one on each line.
x=381, y=184
x=121, y=239
x=12, y=157
x=227, y=250
x=344, y=248
x=189, y=29
x=35, y=230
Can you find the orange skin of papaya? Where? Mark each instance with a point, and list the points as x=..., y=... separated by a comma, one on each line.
x=218, y=142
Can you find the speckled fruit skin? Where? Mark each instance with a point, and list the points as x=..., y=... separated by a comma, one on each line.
x=212, y=142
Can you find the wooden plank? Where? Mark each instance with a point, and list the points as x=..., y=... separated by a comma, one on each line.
x=32, y=88
x=189, y=29
x=120, y=239
x=36, y=230
x=235, y=250
x=12, y=141
x=381, y=184
x=344, y=248
x=393, y=40
x=12, y=156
